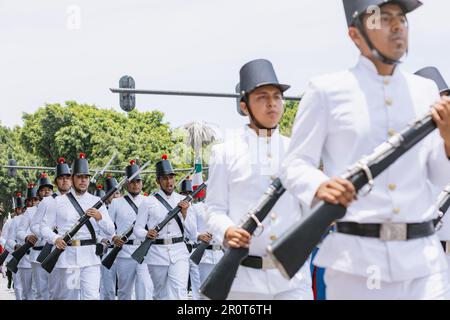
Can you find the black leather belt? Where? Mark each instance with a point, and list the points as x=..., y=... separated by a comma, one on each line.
x=214, y=247
x=78, y=243
x=256, y=262
x=169, y=241
x=387, y=231
x=446, y=246
x=39, y=248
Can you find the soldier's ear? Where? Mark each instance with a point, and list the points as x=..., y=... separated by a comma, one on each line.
x=356, y=36
x=244, y=108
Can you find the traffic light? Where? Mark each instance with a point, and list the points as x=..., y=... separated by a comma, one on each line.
x=12, y=172
x=127, y=100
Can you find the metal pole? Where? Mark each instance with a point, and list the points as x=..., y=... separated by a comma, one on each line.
x=187, y=93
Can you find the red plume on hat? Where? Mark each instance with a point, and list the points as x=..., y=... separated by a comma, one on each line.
x=43, y=175
x=133, y=162
x=19, y=194
x=164, y=156
x=100, y=187
x=82, y=155
x=61, y=160
x=145, y=194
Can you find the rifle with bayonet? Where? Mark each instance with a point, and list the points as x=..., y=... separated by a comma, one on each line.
x=218, y=284
x=50, y=261
x=142, y=250
x=108, y=261
x=292, y=250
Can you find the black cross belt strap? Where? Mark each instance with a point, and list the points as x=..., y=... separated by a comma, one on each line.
x=54, y=195
x=80, y=211
x=132, y=204
x=168, y=207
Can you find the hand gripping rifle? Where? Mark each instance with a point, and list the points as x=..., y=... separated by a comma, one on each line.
x=142, y=250
x=198, y=253
x=291, y=251
x=112, y=255
x=218, y=284
x=443, y=204
x=50, y=261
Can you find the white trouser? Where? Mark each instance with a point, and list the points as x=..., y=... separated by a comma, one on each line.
x=204, y=271
x=17, y=285
x=170, y=282
x=295, y=294
x=108, y=283
x=78, y=283
x=53, y=283
x=194, y=274
x=25, y=278
x=132, y=274
x=345, y=286
x=40, y=280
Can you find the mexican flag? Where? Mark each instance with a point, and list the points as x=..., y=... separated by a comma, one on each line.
x=197, y=178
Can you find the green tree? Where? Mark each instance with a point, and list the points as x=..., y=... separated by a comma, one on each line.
x=10, y=148
x=287, y=121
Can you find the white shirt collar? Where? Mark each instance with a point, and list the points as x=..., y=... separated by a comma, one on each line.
x=252, y=133
x=369, y=68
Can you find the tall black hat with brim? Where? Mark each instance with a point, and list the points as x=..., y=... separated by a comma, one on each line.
x=256, y=74
x=164, y=167
x=19, y=200
x=100, y=192
x=186, y=186
x=132, y=169
x=354, y=9
x=80, y=166
x=110, y=183
x=32, y=192
x=62, y=168
x=434, y=74
x=44, y=181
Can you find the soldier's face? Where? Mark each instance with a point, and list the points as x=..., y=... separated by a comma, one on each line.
x=387, y=29
x=167, y=183
x=32, y=202
x=266, y=104
x=45, y=192
x=18, y=211
x=135, y=186
x=64, y=183
x=80, y=183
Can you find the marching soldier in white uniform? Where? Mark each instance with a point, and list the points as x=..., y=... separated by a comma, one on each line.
x=123, y=212
x=168, y=257
x=24, y=273
x=29, y=231
x=78, y=267
x=10, y=243
x=344, y=116
x=214, y=251
x=63, y=184
x=109, y=277
x=194, y=272
x=240, y=170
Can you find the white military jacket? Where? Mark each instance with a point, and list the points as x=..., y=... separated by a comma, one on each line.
x=24, y=230
x=151, y=212
x=13, y=239
x=344, y=116
x=64, y=216
x=200, y=216
x=240, y=171
x=123, y=215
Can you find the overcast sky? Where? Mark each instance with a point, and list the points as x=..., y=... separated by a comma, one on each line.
x=54, y=51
